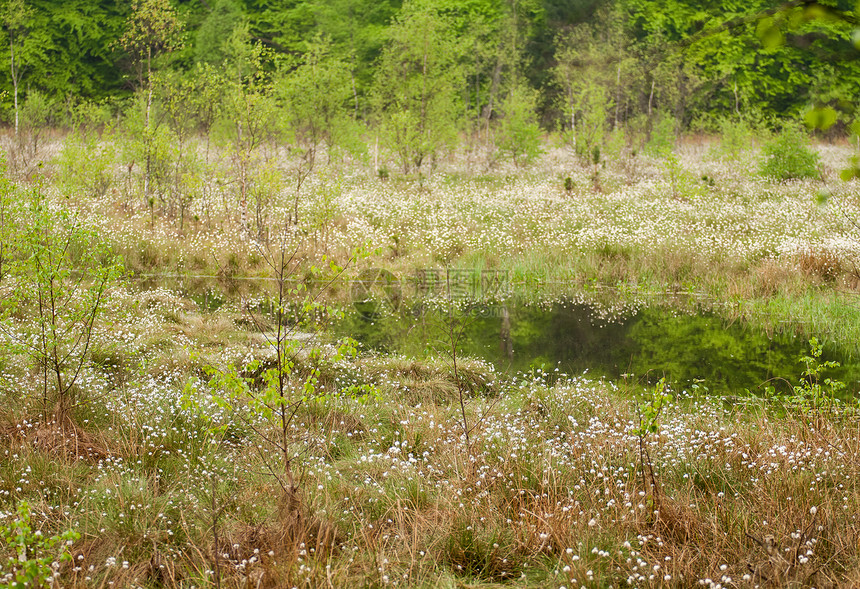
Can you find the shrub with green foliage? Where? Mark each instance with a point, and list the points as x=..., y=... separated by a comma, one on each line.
x=85, y=166
x=735, y=138
x=38, y=114
x=810, y=393
x=662, y=138
x=788, y=157
x=60, y=272
x=591, y=113
x=36, y=557
x=519, y=133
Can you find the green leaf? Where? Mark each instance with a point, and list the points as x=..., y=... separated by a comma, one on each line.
x=821, y=118
x=817, y=12
x=769, y=33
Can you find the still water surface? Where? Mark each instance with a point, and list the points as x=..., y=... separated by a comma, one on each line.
x=648, y=343
x=644, y=341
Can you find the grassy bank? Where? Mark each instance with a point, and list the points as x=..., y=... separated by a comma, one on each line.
x=167, y=486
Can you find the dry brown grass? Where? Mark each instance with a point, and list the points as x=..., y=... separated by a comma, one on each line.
x=769, y=277
x=819, y=264
x=65, y=438
x=60, y=437
x=736, y=489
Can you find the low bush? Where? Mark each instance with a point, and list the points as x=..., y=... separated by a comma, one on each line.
x=789, y=157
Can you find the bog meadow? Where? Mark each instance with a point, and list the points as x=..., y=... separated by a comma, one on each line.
x=499, y=293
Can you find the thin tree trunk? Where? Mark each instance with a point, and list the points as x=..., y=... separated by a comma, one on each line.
x=43, y=350
x=494, y=89
x=737, y=104
x=477, y=84
x=354, y=95
x=148, y=134
x=149, y=84
x=617, y=94
x=650, y=99
x=424, y=124
x=243, y=201
x=14, y=82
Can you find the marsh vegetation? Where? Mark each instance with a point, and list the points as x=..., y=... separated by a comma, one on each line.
x=436, y=295
x=192, y=417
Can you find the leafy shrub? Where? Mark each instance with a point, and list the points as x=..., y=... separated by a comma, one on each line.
x=37, y=115
x=569, y=184
x=57, y=259
x=593, y=110
x=616, y=144
x=36, y=557
x=85, y=166
x=736, y=136
x=682, y=182
x=810, y=393
x=519, y=134
x=788, y=157
x=662, y=140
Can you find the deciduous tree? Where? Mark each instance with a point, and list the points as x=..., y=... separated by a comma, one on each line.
x=315, y=99
x=416, y=98
x=152, y=30
x=17, y=18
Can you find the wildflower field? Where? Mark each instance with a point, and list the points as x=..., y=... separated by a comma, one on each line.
x=147, y=440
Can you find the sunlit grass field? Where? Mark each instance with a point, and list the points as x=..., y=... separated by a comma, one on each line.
x=440, y=471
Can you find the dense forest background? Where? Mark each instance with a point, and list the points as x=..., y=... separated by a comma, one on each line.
x=424, y=71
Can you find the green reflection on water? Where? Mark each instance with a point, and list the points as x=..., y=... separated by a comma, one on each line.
x=606, y=332
x=648, y=343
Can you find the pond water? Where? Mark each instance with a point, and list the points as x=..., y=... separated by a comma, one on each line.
x=616, y=338
x=642, y=344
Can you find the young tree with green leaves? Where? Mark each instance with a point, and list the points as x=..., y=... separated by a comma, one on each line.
x=16, y=18
x=152, y=30
x=38, y=114
x=248, y=116
x=60, y=273
x=596, y=75
x=211, y=39
x=315, y=99
x=514, y=22
x=518, y=133
x=179, y=97
x=357, y=32
x=417, y=78
x=284, y=381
